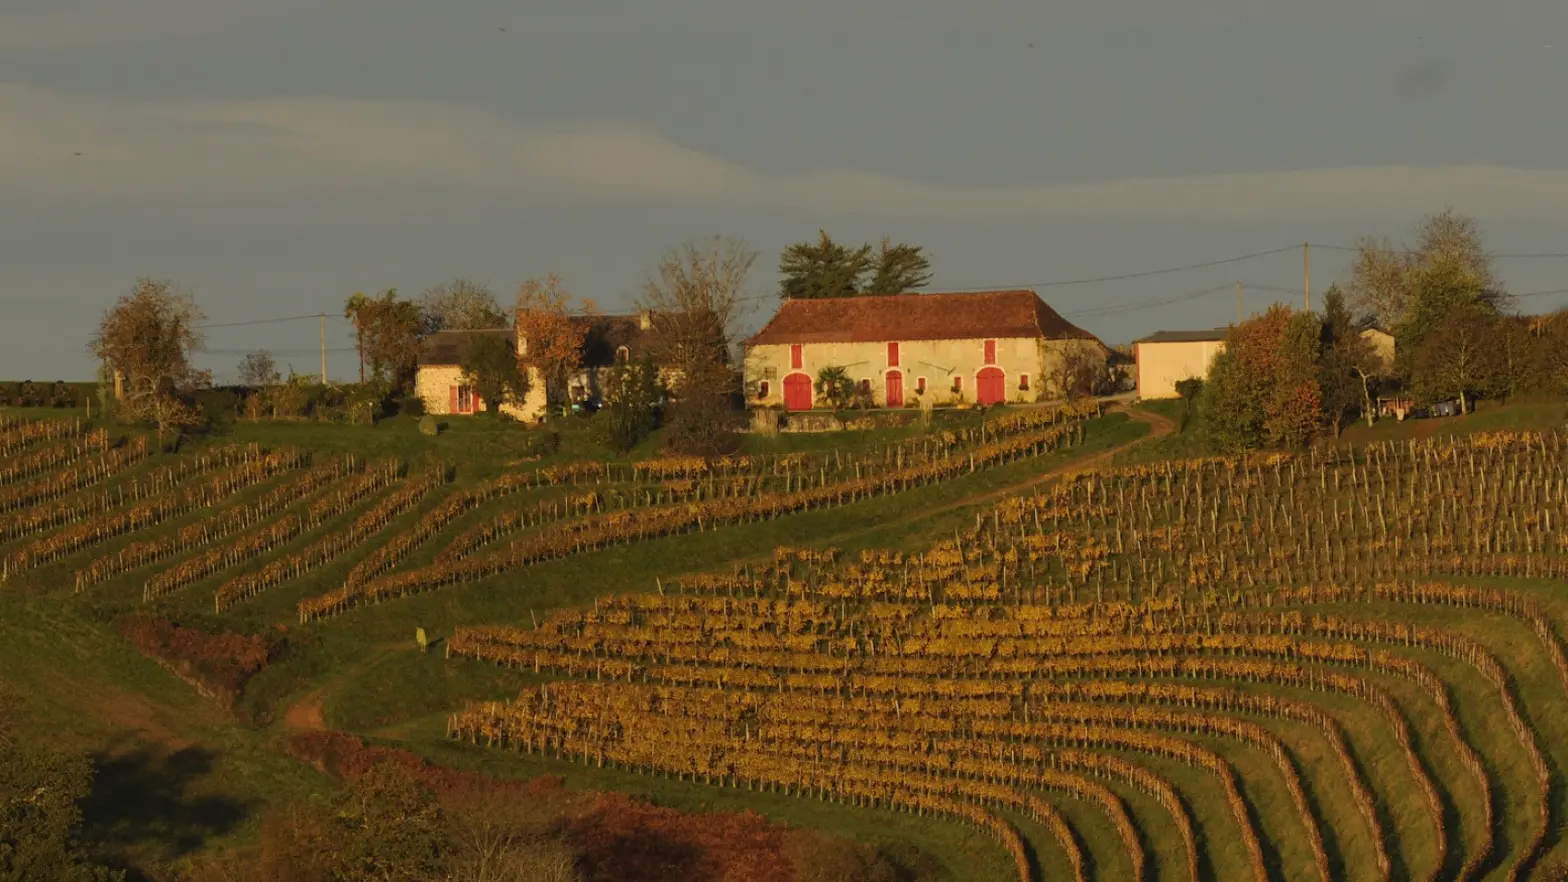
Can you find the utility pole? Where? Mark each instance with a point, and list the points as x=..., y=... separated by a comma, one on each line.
x=1306, y=273
x=323, y=349
x=1238, y=301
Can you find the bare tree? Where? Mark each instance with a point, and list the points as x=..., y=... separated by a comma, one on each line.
x=258, y=369
x=696, y=296
x=1449, y=262
x=461, y=304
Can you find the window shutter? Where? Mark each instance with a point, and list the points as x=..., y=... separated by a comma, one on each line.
x=796, y=356
x=892, y=355
x=452, y=405
x=990, y=352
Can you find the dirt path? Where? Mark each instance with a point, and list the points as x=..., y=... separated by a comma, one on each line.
x=307, y=714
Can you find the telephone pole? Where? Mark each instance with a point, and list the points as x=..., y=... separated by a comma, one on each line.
x=1238, y=301
x=1306, y=273
x=323, y=349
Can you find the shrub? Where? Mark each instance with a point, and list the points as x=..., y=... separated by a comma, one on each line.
x=411, y=405
x=429, y=426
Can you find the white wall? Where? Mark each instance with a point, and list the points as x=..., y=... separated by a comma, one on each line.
x=1162, y=365
x=939, y=361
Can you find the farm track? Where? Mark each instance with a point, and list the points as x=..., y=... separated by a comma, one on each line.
x=1158, y=425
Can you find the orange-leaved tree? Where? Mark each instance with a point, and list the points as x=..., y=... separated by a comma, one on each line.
x=1263, y=388
x=550, y=338
x=147, y=337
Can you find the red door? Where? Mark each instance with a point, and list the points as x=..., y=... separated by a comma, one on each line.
x=991, y=386
x=895, y=388
x=797, y=392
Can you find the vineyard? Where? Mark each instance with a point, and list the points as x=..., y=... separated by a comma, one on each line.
x=1342, y=664
x=1334, y=665
x=239, y=522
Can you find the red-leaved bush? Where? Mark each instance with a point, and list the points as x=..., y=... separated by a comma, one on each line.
x=216, y=665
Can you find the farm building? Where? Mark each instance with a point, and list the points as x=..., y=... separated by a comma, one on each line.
x=1166, y=358
x=607, y=339
x=905, y=349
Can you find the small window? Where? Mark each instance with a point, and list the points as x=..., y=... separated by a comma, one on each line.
x=465, y=399
x=958, y=384
x=892, y=355
x=990, y=352
x=797, y=357
x=623, y=354
x=920, y=385
x=865, y=387
x=762, y=389
x=770, y=373
x=1023, y=382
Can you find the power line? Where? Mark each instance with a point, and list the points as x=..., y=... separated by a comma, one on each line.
x=1522, y=256
x=271, y=321
x=1121, y=308
x=1142, y=274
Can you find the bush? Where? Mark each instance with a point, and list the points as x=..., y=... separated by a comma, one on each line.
x=429, y=426
x=411, y=405
x=543, y=442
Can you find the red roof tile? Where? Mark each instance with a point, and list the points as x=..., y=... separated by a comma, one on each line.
x=869, y=319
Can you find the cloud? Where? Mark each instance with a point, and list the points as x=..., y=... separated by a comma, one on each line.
x=336, y=153
x=89, y=24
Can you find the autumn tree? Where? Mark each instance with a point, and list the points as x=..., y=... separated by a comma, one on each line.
x=148, y=338
x=826, y=268
x=461, y=304
x=1347, y=367
x=1518, y=357
x=1456, y=358
x=695, y=297
x=1551, y=333
x=389, y=331
x=491, y=367
x=40, y=822
x=1263, y=387
x=551, y=336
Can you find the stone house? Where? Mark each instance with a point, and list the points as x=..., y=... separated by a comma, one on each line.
x=908, y=349
x=606, y=340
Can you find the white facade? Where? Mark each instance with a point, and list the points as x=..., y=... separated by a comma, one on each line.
x=1162, y=364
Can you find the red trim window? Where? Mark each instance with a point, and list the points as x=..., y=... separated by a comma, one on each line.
x=920, y=385
x=465, y=399
x=892, y=355
x=797, y=356
x=958, y=384
x=1023, y=382
x=990, y=352
x=762, y=389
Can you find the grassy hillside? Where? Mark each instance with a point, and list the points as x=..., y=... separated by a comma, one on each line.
x=1035, y=644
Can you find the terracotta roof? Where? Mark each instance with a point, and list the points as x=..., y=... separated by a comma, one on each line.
x=876, y=318
x=446, y=347
x=1185, y=336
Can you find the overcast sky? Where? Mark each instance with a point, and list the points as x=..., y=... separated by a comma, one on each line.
x=275, y=157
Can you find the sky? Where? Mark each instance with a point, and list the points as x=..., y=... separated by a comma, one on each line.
x=273, y=158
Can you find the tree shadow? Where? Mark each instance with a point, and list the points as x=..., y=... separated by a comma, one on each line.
x=143, y=804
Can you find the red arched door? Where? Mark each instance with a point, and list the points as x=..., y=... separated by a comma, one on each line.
x=797, y=392
x=895, y=389
x=990, y=386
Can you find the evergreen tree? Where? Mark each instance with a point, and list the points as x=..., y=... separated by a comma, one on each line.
x=823, y=268
x=899, y=268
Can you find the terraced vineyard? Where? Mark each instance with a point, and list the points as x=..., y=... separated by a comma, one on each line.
x=239, y=522
x=1335, y=666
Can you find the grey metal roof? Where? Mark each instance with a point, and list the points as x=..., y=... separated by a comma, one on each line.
x=1185, y=336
